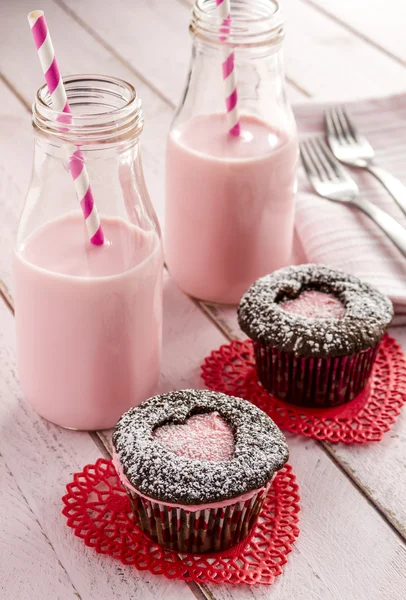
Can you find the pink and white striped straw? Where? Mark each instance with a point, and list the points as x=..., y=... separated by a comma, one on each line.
x=223, y=7
x=59, y=100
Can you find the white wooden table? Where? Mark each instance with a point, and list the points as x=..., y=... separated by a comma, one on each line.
x=353, y=519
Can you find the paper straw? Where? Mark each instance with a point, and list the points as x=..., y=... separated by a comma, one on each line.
x=223, y=7
x=59, y=101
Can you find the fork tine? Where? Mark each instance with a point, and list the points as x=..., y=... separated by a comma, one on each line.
x=307, y=161
x=339, y=132
x=346, y=122
x=328, y=164
x=324, y=168
x=323, y=164
x=310, y=162
x=337, y=167
x=340, y=171
x=326, y=175
x=331, y=130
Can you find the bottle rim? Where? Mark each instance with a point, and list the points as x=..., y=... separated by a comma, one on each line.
x=103, y=109
x=251, y=24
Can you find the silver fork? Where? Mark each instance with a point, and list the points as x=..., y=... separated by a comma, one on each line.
x=332, y=181
x=352, y=148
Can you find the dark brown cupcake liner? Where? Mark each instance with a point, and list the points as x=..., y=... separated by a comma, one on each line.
x=313, y=382
x=206, y=530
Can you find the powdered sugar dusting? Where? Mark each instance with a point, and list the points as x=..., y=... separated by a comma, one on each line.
x=262, y=317
x=202, y=437
x=317, y=305
x=260, y=449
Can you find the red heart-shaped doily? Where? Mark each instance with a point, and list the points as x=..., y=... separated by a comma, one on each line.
x=231, y=370
x=98, y=510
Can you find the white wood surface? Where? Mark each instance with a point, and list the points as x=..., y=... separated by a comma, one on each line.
x=38, y=451
x=15, y=144
x=151, y=28
x=379, y=22
x=23, y=72
x=24, y=546
x=42, y=458
x=314, y=51
x=331, y=62
x=346, y=548
x=322, y=57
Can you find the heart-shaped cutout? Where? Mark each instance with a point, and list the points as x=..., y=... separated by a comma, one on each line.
x=313, y=304
x=204, y=436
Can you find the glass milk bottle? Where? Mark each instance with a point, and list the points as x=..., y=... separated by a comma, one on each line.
x=231, y=155
x=88, y=317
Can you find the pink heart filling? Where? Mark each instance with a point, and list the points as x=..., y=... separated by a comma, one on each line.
x=313, y=304
x=202, y=437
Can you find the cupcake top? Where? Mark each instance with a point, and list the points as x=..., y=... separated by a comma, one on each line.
x=198, y=447
x=314, y=311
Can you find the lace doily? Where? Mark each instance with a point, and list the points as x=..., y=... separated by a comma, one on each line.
x=98, y=510
x=231, y=370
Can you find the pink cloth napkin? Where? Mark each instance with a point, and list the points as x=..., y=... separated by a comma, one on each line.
x=342, y=236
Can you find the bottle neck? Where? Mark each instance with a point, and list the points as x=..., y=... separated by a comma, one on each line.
x=250, y=25
x=105, y=111
x=102, y=132
x=253, y=43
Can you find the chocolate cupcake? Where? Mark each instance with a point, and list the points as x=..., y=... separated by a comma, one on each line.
x=197, y=465
x=315, y=331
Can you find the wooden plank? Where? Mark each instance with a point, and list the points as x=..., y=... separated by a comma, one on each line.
x=26, y=551
x=153, y=36
x=42, y=458
x=35, y=450
x=318, y=41
x=38, y=451
x=16, y=143
x=381, y=469
x=321, y=56
x=381, y=22
x=321, y=526
x=301, y=572
x=330, y=502
x=326, y=53
x=80, y=53
x=143, y=34
x=333, y=63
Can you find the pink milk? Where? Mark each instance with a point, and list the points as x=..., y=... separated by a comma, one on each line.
x=88, y=321
x=229, y=205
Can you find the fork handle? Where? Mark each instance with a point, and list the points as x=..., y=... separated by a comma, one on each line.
x=395, y=187
x=388, y=224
